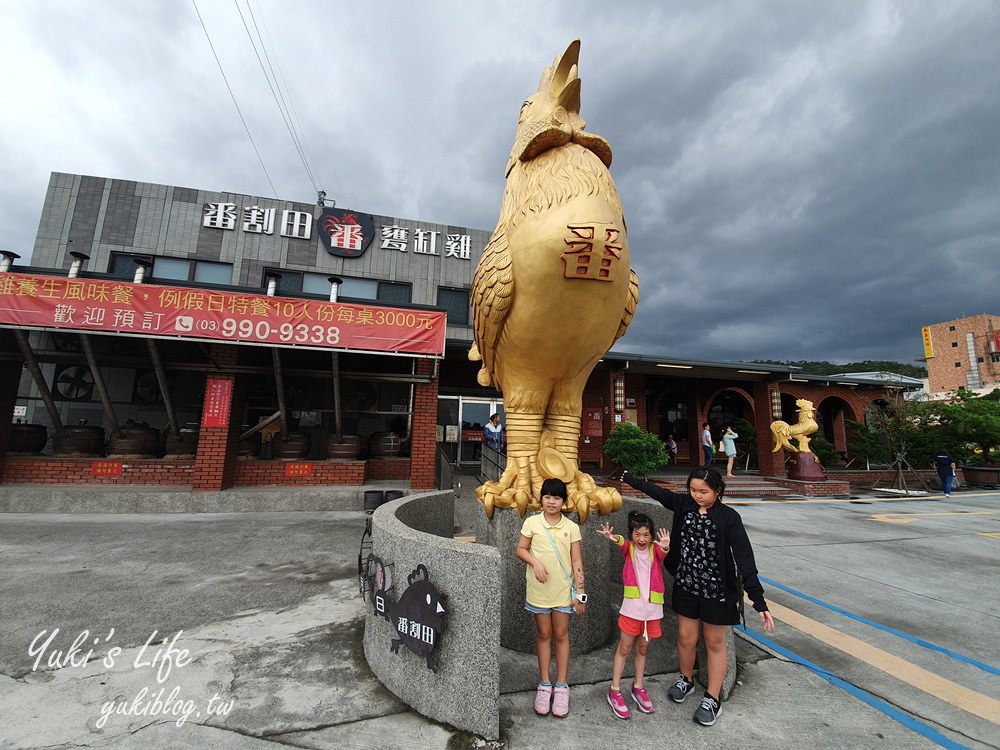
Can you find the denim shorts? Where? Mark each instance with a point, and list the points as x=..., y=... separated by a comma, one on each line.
x=547, y=610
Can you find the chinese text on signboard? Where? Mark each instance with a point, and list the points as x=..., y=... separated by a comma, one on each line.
x=106, y=306
x=218, y=396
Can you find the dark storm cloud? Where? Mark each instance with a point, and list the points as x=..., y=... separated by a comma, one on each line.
x=800, y=181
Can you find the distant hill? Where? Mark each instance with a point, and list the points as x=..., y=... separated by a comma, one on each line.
x=869, y=365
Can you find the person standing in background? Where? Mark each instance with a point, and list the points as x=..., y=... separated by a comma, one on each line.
x=671, y=449
x=945, y=465
x=729, y=444
x=493, y=433
x=706, y=444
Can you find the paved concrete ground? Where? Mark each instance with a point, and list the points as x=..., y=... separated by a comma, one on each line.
x=263, y=625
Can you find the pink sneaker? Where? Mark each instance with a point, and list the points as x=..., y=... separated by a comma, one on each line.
x=560, y=702
x=617, y=702
x=543, y=697
x=641, y=698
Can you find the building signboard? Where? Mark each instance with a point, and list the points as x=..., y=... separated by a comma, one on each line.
x=111, y=306
x=346, y=234
x=928, y=344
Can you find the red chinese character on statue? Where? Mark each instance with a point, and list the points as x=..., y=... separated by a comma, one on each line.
x=593, y=252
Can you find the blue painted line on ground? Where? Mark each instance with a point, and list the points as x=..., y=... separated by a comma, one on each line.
x=877, y=703
x=898, y=633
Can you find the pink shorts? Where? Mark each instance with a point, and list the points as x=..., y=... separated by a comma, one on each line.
x=633, y=627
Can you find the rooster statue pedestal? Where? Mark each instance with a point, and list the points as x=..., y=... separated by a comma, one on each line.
x=805, y=467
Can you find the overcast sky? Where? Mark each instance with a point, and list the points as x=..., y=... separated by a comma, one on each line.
x=800, y=180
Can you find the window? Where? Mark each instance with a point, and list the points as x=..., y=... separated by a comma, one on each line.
x=995, y=357
x=394, y=293
x=951, y=328
x=954, y=344
x=456, y=304
x=359, y=289
x=296, y=282
x=212, y=273
x=170, y=268
x=958, y=364
x=122, y=266
x=293, y=282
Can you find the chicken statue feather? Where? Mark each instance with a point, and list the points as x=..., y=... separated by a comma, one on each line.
x=553, y=291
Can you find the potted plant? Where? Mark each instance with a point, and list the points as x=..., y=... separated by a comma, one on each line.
x=637, y=451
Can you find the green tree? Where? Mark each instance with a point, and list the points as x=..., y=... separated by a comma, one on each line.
x=825, y=451
x=866, y=444
x=637, y=451
x=903, y=424
x=971, y=422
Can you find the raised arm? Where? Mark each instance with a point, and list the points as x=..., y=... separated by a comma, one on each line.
x=663, y=496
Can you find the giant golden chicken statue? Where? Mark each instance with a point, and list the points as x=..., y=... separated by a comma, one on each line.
x=553, y=290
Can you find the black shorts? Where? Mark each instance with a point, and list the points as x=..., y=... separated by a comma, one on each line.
x=707, y=610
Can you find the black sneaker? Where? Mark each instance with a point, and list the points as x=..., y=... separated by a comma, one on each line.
x=680, y=690
x=707, y=712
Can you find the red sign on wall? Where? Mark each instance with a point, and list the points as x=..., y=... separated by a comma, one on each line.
x=99, y=306
x=218, y=396
x=105, y=468
x=294, y=469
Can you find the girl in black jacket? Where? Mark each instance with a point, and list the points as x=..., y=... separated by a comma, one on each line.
x=711, y=549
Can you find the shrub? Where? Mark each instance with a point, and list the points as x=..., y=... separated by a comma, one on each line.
x=637, y=451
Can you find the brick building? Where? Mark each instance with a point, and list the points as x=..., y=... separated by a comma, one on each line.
x=218, y=340
x=963, y=354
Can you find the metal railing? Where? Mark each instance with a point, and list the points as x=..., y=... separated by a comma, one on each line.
x=491, y=464
x=444, y=472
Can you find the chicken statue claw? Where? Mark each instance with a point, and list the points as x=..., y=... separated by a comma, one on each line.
x=553, y=291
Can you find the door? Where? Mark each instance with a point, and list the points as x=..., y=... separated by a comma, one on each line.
x=475, y=413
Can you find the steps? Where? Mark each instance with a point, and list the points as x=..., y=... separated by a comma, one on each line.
x=740, y=486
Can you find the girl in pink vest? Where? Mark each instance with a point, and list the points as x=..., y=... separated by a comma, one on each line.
x=642, y=604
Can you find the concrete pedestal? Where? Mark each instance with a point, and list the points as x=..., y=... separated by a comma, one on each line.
x=517, y=626
x=805, y=467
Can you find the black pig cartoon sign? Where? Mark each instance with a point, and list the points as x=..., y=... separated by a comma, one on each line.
x=417, y=617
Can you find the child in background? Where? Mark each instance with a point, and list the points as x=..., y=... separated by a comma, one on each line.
x=642, y=604
x=729, y=445
x=711, y=549
x=550, y=547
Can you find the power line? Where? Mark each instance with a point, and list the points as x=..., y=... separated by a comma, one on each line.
x=295, y=114
x=272, y=82
x=231, y=94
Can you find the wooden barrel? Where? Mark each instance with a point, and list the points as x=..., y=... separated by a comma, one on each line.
x=293, y=447
x=27, y=438
x=79, y=441
x=183, y=444
x=135, y=441
x=384, y=445
x=343, y=447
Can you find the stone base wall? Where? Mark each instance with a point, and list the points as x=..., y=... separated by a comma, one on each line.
x=465, y=690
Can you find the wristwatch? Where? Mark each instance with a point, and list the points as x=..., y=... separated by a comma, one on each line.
x=582, y=598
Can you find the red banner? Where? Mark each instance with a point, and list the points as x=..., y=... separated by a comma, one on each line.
x=99, y=306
